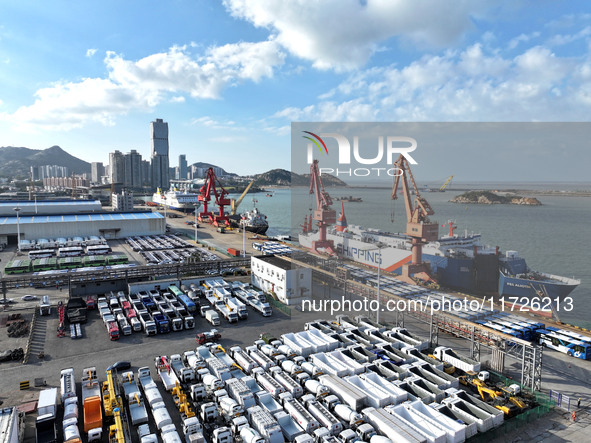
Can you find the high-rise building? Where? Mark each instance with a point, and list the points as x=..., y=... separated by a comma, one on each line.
x=182, y=167
x=133, y=169
x=160, y=163
x=117, y=166
x=97, y=170
x=146, y=173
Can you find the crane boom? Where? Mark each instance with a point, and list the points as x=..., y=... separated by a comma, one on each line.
x=235, y=203
x=447, y=182
x=418, y=226
x=323, y=213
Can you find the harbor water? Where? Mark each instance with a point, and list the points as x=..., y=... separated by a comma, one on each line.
x=553, y=238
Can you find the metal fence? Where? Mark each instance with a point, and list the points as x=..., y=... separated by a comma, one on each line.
x=278, y=305
x=562, y=401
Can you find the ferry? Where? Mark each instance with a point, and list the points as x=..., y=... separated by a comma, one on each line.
x=180, y=200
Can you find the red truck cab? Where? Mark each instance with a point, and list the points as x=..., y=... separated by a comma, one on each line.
x=113, y=330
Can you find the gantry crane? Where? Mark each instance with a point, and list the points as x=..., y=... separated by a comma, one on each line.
x=221, y=200
x=323, y=214
x=418, y=226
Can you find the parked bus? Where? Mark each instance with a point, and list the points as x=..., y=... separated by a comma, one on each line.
x=575, y=335
x=44, y=264
x=118, y=259
x=525, y=331
x=18, y=267
x=41, y=253
x=69, y=262
x=71, y=251
x=564, y=344
x=183, y=299
x=98, y=250
x=94, y=260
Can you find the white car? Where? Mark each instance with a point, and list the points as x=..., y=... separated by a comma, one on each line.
x=29, y=297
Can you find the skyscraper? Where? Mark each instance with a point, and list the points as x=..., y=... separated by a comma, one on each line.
x=133, y=169
x=183, y=167
x=97, y=170
x=117, y=166
x=160, y=163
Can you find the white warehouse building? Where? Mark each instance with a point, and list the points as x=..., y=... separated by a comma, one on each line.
x=275, y=276
x=107, y=224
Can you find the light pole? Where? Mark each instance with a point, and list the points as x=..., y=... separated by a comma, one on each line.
x=18, y=228
x=379, y=269
x=243, y=223
x=379, y=247
x=196, y=224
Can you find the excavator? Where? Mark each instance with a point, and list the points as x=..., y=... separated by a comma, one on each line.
x=504, y=399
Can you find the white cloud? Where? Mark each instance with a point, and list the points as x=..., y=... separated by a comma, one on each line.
x=90, y=52
x=145, y=83
x=522, y=38
x=564, y=39
x=209, y=122
x=343, y=34
x=469, y=85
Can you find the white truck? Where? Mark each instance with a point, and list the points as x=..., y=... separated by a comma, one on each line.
x=464, y=363
x=268, y=383
x=67, y=384
x=265, y=424
x=242, y=359
x=302, y=417
x=322, y=414
x=165, y=372
x=184, y=374
x=396, y=429
x=287, y=382
x=147, y=323
x=267, y=401
x=291, y=430
x=346, y=392
x=137, y=410
x=212, y=317
x=238, y=307
x=238, y=390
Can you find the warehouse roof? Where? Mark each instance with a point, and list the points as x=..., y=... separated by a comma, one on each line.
x=31, y=203
x=92, y=217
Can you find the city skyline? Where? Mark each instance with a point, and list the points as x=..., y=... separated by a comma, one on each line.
x=230, y=77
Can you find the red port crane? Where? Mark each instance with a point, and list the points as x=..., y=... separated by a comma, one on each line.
x=323, y=214
x=418, y=226
x=221, y=200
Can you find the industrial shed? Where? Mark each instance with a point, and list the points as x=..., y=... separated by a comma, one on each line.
x=107, y=224
x=49, y=207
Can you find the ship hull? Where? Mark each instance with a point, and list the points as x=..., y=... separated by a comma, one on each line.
x=522, y=287
x=480, y=272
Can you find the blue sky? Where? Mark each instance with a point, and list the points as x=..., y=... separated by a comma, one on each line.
x=229, y=77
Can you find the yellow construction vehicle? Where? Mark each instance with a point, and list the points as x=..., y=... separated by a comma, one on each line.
x=116, y=432
x=111, y=398
x=503, y=399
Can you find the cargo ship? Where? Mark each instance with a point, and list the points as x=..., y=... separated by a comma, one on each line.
x=180, y=200
x=459, y=262
x=254, y=220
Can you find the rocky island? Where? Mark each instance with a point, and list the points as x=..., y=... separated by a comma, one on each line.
x=491, y=198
